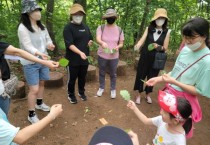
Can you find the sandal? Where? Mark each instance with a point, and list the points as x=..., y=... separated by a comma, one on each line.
x=149, y=100
x=138, y=100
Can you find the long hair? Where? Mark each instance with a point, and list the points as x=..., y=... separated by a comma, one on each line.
x=185, y=111
x=27, y=23
x=197, y=26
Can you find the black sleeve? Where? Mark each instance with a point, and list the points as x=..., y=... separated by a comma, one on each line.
x=3, y=47
x=67, y=35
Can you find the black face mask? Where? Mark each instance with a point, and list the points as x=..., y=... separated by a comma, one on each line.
x=110, y=20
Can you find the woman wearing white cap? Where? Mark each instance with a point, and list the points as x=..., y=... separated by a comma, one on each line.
x=110, y=38
x=77, y=38
x=158, y=35
x=34, y=38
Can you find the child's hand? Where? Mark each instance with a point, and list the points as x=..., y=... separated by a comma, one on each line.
x=131, y=105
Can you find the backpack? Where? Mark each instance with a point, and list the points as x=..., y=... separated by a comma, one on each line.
x=120, y=30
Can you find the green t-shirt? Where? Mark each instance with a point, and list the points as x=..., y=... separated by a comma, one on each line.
x=198, y=74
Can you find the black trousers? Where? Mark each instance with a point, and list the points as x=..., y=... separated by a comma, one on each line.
x=145, y=71
x=74, y=73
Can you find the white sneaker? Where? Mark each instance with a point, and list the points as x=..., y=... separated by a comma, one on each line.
x=43, y=107
x=138, y=100
x=113, y=94
x=33, y=119
x=100, y=92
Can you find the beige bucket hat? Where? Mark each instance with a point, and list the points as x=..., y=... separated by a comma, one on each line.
x=160, y=12
x=76, y=8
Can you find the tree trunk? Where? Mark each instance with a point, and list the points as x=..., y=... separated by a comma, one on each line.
x=84, y=4
x=146, y=11
x=49, y=23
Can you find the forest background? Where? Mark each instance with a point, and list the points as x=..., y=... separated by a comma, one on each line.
x=134, y=17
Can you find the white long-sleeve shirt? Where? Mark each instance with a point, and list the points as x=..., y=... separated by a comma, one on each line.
x=33, y=41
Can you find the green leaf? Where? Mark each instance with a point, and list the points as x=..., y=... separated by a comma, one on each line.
x=163, y=72
x=63, y=62
x=90, y=59
x=107, y=50
x=113, y=51
x=127, y=130
x=125, y=94
x=96, y=44
x=49, y=58
x=143, y=81
x=150, y=47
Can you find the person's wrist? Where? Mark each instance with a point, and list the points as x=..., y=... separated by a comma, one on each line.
x=52, y=116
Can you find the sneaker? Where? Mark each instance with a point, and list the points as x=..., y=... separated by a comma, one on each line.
x=33, y=119
x=113, y=94
x=43, y=107
x=148, y=99
x=83, y=97
x=100, y=92
x=72, y=100
x=138, y=100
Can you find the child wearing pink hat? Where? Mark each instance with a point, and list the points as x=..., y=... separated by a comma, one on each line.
x=174, y=121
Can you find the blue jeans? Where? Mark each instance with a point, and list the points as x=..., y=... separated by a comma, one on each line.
x=35, y=72
x=109, y=65
x=4, y=104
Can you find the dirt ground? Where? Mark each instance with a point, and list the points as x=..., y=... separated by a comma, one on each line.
x=76, y=127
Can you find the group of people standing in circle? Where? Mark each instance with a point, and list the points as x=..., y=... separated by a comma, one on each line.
x=185, y=83
x=179, y=103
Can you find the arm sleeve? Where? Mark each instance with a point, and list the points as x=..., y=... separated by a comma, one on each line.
x=7, y=133
x=68, y=37
x=47, y=36
x=3, y=47
x=122, y=36
x=98, y=31
x=157, y=121
x=202, y=86
x=24, y=39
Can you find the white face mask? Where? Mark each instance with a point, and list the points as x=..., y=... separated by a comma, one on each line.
x=77, y=19
x=35, y=15
x=160, y=22
x=194, y=46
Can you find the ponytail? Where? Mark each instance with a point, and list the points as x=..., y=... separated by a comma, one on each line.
x=187, y=125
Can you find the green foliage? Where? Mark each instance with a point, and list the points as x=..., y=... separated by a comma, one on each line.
x=125, y=94
x=63, y=62
x=130, y=17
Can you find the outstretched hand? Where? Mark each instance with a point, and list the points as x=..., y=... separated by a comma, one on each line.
x=56, y=110
x=131, y=105
x=51, y=64
x=152, y=81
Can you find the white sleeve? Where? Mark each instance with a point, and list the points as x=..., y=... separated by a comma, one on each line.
x=157, y=121
x=25, y=40
x=47, y=36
